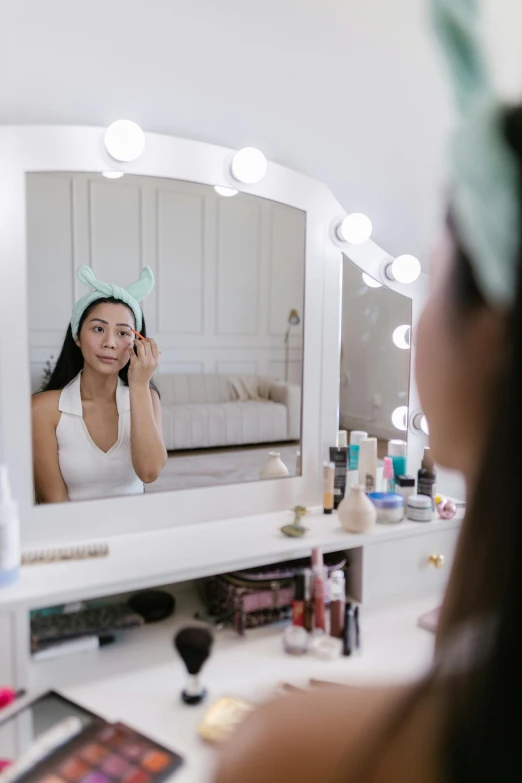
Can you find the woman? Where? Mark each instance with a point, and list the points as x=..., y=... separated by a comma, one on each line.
x=97, y=423
x=463, y=721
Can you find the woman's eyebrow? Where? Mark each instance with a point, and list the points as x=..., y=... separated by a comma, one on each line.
x=106, y=322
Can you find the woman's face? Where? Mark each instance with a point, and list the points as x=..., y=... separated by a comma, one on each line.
x=458, y=359
x=105, y=337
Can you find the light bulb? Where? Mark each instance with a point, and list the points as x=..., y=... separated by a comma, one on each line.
x=226, y=192
x=405, y=269
x=400, y=418
x=249, y=165
x=355, y=228
x=424, y=425
x=402, y=337
x=124, y=140
x=370, y=281
x=112, y=174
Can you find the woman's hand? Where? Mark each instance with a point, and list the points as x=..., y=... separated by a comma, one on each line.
x=143, y=363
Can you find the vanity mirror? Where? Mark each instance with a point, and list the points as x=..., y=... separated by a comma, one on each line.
x=226, y=311
x=375, y=358
x=247, y=285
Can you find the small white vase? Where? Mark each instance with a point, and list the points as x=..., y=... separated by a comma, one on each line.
x=274, y=467
x=356, y=512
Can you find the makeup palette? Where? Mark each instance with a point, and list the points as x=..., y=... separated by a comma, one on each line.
x=95, y=752
x=108, y=753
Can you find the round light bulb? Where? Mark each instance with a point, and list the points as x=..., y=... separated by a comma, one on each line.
x=400, y=418
x=112, y=174
x=249, y=165
x=406, y=269
x=124, y=140
x=355, y=229
x=424, y=425
x=402, y=337
x=370, y=281
x=226, y=192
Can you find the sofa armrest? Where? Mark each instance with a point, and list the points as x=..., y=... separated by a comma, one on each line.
x=289, y=395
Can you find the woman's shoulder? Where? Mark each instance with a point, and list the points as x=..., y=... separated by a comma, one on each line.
x=45, y=405
x=324, y=735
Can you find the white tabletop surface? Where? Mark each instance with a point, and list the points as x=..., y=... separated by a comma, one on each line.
x=163, y=557
x=139, y=680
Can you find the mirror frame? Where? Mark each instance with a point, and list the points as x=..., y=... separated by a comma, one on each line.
x=26, y=149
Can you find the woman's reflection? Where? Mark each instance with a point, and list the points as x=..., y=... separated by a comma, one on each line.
x=97, y=423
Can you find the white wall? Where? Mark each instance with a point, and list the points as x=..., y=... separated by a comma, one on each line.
x=228, y=270
x=349, y=92
x=375, y=374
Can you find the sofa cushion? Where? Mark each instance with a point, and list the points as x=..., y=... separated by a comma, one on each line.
x=227, y=424
x=193, y=389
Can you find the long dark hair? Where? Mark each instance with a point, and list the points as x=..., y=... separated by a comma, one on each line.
x=478, y=702
x=483, y=720
x=70, y=361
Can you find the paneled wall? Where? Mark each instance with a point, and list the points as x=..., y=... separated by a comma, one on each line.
x=228, y=270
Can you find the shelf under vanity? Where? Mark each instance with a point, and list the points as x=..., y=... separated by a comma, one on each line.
x=391, y=562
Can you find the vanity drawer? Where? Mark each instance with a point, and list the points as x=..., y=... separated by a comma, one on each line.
x=403, y=566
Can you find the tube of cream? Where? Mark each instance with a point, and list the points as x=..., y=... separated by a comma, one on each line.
x=328, y=489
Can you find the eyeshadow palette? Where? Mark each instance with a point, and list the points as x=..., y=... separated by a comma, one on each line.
x=107, y=753
x=99, y=752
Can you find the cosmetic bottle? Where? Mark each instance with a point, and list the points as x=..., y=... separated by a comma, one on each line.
x=298, y=604
x=398, y=451
x=9, y=532
x=388, y=475
x=427, y=476
x=309, y=604
x=356, y=438
x=337, y=599
x=349, y=631
x=368, y=464
x=328, y=487
x=405, y=486
x=319, y=590
x=339, y=456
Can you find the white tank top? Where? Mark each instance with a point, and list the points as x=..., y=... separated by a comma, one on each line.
x=89, y=472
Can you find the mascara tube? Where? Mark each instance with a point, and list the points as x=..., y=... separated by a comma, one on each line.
x=349, y=634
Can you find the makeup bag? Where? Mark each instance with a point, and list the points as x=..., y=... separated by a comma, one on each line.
x=259, y=596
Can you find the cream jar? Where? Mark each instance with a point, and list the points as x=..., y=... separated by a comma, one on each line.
x=390, y=507
x=419, y=508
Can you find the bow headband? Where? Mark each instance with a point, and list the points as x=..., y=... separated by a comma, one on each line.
x=131, y=296
x=485, y=185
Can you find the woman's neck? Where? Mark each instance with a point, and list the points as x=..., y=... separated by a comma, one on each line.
x=97, y=387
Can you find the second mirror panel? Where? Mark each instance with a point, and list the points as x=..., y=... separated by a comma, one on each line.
x=375, y=358
x=226, y=309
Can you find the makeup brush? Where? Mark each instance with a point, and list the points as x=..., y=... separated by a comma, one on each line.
x=194, y=646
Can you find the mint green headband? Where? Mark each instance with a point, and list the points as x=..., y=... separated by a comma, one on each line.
x=131, y=296
x=485, y=186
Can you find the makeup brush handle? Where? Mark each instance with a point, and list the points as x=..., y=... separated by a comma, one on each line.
x=193, y=687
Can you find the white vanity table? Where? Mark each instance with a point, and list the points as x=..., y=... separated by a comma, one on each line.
x=139, y=679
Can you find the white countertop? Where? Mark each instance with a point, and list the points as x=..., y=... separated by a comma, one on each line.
x=139, y=681
x=183, y=553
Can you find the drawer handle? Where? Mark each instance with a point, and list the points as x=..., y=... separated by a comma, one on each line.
x=437, y=561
